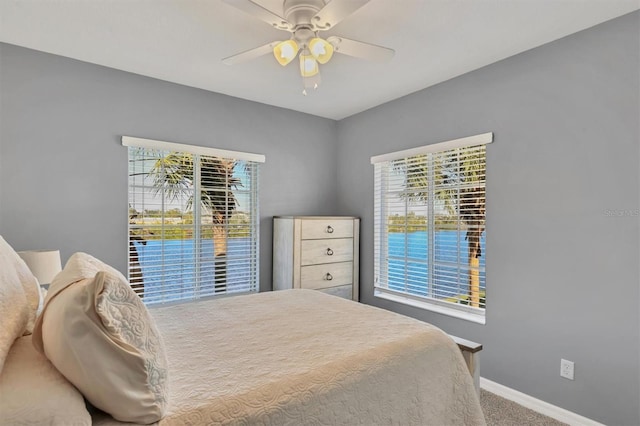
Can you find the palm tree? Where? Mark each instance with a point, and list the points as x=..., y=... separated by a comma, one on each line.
x=174, y=174
x=460, y=178
x=135, y=272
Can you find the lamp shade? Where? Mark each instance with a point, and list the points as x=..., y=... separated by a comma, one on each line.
x=308, y=65
x=44, y=264
x=285, y=52
x=321, y=50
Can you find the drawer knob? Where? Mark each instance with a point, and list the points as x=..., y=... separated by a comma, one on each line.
x=328, y=277
x=329, y=229
x=329, y=252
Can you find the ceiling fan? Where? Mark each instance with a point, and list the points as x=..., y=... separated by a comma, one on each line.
x=304, y=19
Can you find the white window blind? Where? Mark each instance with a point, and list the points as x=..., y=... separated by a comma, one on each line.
x=429, y=230
x=193, y=221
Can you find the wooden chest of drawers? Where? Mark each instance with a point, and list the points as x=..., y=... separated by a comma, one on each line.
x=318, y=253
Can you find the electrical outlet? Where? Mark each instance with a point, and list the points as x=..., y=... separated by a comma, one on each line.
x=566, y=369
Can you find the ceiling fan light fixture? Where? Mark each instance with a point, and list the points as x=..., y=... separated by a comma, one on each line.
x=304, y=19
x=308, y=65
x=321, y=49
x=285, y=51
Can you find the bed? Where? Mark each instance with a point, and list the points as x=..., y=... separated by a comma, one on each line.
x=293, y=357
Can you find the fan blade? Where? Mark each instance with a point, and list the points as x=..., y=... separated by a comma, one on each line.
x=334, y=12
x=360, y=49
x=250, y=54
x=257, y=11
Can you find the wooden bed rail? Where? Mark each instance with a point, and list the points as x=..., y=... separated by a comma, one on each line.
x=471, y=353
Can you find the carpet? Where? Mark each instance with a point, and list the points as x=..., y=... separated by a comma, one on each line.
x=499, y=411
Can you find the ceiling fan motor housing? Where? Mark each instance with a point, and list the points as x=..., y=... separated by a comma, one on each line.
x=300, y=12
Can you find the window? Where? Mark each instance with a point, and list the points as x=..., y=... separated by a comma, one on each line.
x=429, y=227
x=193, y=221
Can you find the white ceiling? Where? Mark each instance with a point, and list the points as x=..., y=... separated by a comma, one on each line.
x=183, y=41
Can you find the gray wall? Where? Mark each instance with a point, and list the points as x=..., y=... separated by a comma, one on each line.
x=562, y=275
x=63, y=170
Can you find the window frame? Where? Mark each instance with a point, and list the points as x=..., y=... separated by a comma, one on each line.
x=164, y=295
x=381, y=252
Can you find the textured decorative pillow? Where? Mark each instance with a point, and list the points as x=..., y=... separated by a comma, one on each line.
x=14, y=307
x=33, y=392
x=100, y=336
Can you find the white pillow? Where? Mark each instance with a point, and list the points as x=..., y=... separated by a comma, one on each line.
x=33, y=392
x=100, y=336
x=14, y=307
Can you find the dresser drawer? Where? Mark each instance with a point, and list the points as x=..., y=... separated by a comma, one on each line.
x=326, y=251
x=329, y=275
x=344, y=291
x=326, y=228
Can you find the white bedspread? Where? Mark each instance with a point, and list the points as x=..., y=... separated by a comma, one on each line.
x=300, y=357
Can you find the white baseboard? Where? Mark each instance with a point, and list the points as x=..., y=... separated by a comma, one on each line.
x=535, y=404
